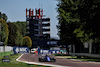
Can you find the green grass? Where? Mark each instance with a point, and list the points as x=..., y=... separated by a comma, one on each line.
x=82, y=58
x=87, y=59
x=14, y=63
x=6, y=53
x=90, y=59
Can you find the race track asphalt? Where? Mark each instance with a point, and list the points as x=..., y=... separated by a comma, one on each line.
x=60, y=61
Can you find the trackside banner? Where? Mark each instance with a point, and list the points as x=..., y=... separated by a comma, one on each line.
x=21, y=50
x=43, y=51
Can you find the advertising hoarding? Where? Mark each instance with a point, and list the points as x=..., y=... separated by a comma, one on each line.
x=21, y=50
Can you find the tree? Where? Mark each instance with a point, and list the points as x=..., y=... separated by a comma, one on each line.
x=22, y=26
x=27, y=42
x=83, y=15
x=15, y=38
x=3, y=16
x=79, y=21
x=84, y=37
x=4, y=31
x=4, y=28
x=89, y=12
x=68, y=20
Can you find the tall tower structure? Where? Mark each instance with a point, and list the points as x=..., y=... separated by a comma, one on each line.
x=37, y=27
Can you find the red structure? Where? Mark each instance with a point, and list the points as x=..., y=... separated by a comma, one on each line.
x=38, y=14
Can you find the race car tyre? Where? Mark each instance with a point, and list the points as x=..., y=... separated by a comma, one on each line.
x=53, y=60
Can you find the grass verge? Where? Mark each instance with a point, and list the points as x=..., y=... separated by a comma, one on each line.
x=85, y=59
x=6, y=53
x=82, y=58
x=89, y=59
x=14, y=63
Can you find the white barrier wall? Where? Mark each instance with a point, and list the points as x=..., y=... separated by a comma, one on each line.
x=7, y=48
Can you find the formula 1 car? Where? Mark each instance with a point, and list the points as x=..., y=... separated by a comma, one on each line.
x=46, y=58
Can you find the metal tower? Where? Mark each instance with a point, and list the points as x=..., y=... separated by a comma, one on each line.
x=37, y=27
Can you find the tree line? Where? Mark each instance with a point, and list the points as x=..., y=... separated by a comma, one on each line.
x=78, y=21
x=13, y=33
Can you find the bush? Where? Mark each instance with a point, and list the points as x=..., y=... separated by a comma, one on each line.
x=27, y=42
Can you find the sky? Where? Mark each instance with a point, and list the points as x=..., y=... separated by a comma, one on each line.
x=16, y=11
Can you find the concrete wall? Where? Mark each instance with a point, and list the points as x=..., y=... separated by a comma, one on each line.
x=7, y=48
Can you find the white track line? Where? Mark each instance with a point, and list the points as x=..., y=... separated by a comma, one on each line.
x=38, y=63
x=19, y=57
